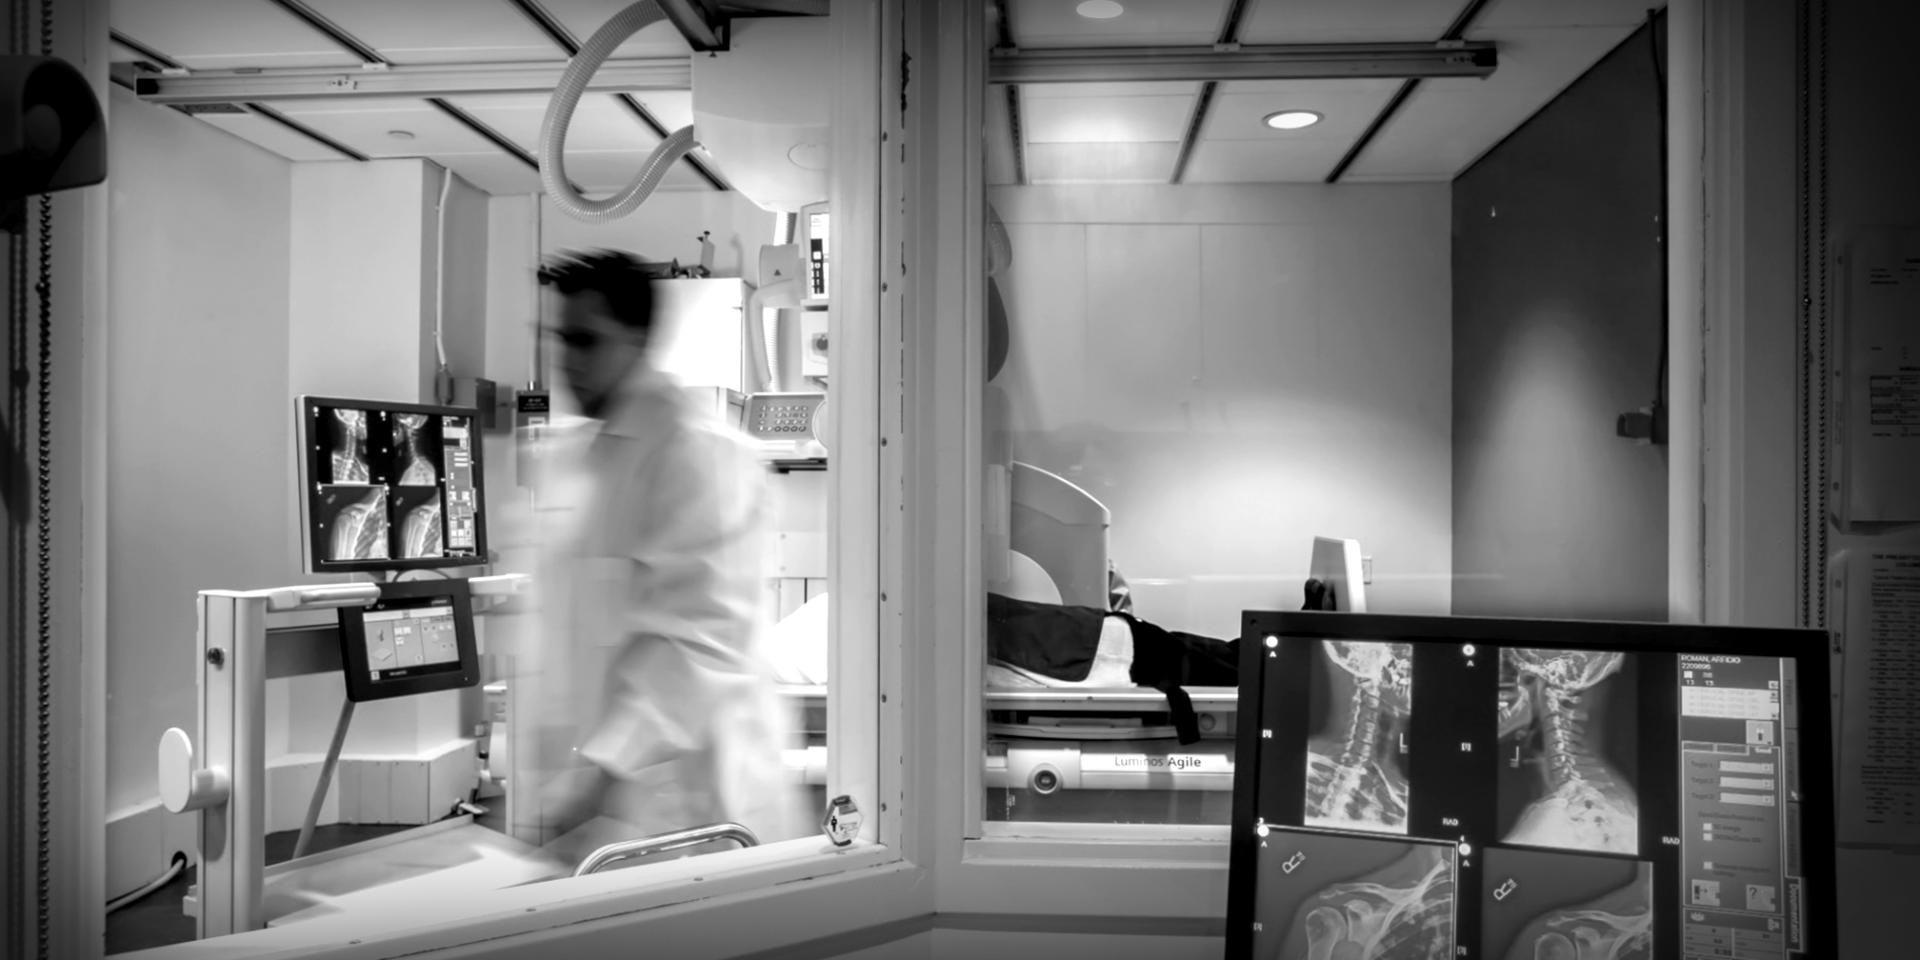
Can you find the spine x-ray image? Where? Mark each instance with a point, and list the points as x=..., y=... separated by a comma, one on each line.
x=347, y=431
x=1356, y=758
x=353, y=520
x=1567, y=748
x=1323, y=897
x=1555, y=906
x=416, y=450
x=416, y=522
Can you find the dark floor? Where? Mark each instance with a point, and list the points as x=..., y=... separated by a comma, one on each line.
x=157, y=921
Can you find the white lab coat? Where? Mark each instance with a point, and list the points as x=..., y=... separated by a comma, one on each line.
x=659, y=580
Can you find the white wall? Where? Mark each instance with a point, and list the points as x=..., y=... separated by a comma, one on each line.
x=199, y=422
x=1234, y=370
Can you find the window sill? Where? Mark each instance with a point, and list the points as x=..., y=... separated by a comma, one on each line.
x=431, y=918
x=1112, y=870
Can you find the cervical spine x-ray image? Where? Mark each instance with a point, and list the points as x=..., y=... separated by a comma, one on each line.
x=348, y=431
x=1565, y=770
x=1556, y=906
x=1323, y=897
x=354, y=518
x=1356, y=759
x=416, y=450
x=416, y=522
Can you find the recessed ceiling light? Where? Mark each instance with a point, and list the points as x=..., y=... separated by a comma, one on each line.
x=1292, y=119
x=1099, y=9
x=400, y=134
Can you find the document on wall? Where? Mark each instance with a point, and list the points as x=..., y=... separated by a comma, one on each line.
x=1879, y=389
x=1880, y=701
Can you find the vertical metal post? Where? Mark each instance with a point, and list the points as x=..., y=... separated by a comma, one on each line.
x=233, y=684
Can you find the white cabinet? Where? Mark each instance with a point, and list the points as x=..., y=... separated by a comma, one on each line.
x=697, y=336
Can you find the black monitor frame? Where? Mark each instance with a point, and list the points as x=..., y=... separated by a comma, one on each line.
x=410, y=594
x=311, y=455
x=1808, y=649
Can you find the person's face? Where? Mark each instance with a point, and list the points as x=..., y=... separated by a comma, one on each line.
x=596, y=351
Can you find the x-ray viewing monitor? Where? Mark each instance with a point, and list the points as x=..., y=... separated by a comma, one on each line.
x=1341, y=570
x=417, y=638
x=1447, y=787
x=389, y=486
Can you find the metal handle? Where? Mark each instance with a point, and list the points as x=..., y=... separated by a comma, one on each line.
x=663, y=842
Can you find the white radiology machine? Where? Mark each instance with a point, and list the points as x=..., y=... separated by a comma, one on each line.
x=1076, y=752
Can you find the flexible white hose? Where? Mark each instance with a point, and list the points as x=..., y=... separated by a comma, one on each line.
x=129, y=899
x=553, y=128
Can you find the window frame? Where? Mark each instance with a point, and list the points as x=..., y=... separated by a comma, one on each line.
x=807, y=883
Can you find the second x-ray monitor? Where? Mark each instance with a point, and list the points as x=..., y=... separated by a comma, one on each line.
x=1516, y=789
x=388, y=486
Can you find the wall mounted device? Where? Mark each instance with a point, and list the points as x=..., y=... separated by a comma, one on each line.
x=1490, y=788
x=417, y=638
x=814, y=254
x=389, y=486
x=786, y=425
x=52, y=136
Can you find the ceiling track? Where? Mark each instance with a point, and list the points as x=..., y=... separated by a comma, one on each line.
x=564, y=39
x=168, y=63
x=418, y=82
x=1197, y=121
x=1015, y=129
x=1244, y=62
x=1454, y=32
x=312, y=18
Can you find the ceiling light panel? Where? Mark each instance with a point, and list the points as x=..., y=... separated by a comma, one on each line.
x=1057, y=23
x=1448, y=123
x=583, y=17
x=272, y=136
x=1345, y=108
x=440, y=31
x=363, y=125
x=1345, y=21
x=600, y=122
x=1105, y=119
x=225, y=34
x=1062, y=163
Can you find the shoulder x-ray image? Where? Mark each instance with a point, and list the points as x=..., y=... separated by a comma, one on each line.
x=1324, y=897
x=354, y=517
x=1356, y=758
x=1556, y=906
x=416, y=521
x=1566, y=722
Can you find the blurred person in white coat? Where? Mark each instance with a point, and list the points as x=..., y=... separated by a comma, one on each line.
x=653, y=591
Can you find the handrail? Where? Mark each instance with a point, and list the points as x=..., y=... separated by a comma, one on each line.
x=663, y=842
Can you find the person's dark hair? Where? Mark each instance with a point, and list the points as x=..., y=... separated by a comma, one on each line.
x=622, y=278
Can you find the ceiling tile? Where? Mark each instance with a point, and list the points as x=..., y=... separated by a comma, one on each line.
x=1053, y=23
x=441, y=31
x=272, y=136
x=1352, y=21
x=583, y=17
x=498, y=174
x=1105, y=120
x=673, y=108
x=367, y=125
x=599, y=122
x=601, y=172
x=1239, y=109
x=1561, y=13
x=224, y=34
x=1263, y=161
x=1100, y=162
x=1448, y=123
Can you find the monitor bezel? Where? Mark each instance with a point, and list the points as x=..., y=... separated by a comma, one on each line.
x=1808, y=649
x=311, y=559
x=361, y=687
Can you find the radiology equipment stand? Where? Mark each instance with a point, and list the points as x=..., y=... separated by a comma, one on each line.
x=227, y=781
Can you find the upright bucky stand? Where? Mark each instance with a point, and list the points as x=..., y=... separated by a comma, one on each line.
x=226, y=779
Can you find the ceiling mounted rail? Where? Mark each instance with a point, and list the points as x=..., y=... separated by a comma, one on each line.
x=437, y=80
x=1266, y=62
x=1228, y=38
x=1455, y=30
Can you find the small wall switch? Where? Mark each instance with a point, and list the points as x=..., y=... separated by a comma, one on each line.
x=1366, y=569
